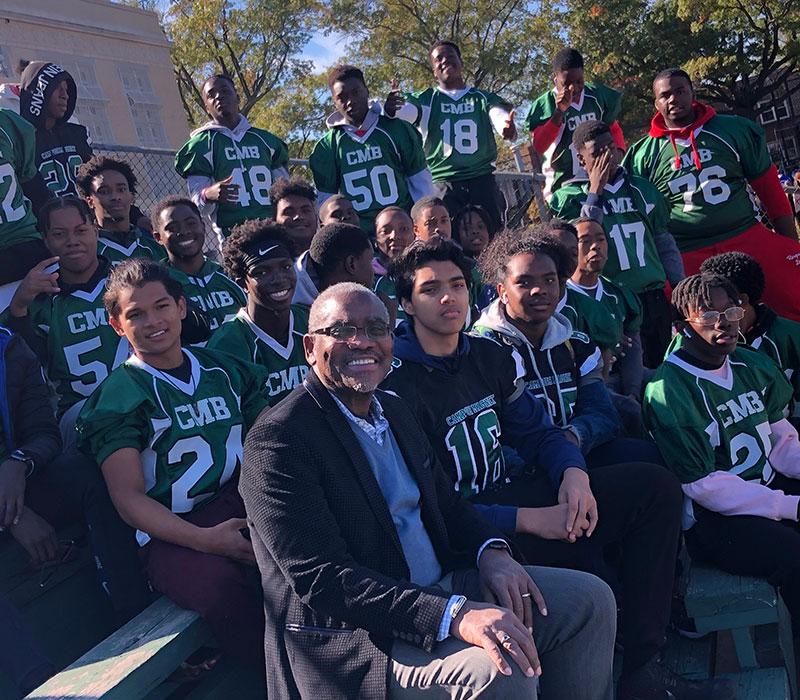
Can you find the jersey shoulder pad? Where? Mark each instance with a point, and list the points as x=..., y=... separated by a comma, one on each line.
x=579, y=337
x=421, y=97
x=191, y=157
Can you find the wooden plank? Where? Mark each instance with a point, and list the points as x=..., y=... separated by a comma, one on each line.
x=764, y=616
x=712, y=592
x=133, y=660
x=761, y=684
x=690, y=658
x=745, y=649
x=786, y=643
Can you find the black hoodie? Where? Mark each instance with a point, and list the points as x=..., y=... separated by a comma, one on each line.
x=60, y=151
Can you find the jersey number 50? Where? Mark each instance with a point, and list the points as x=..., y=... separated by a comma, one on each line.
x=382, y=187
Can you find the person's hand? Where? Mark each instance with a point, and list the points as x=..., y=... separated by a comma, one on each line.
x=36, y=536
x=563, y=98
x=12, y=492
x=225, y=191
x=625, y=345
x=487, y=626
x=600, y=173
x=547, y=522
x=576, y=492
x=394, y=100
x=37, y=281
x=505, y=582
x=226, y=540
x=509, y=132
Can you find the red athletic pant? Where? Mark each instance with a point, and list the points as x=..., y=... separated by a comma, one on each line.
x=225, y=593
x=778, y=255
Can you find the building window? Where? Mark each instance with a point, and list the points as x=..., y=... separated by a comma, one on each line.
x=144, y=105
x=772, y=110
x=94, y=116
x=790, y=145
x=149, y=128
x=5, y=69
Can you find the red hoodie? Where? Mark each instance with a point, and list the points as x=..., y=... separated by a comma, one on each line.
x=767, y=186
x=659, y=129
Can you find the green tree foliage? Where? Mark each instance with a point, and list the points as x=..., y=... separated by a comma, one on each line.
x=737, y=51
x=256, y=42
x=754, y=51
x=296, y=112
x=505, y=45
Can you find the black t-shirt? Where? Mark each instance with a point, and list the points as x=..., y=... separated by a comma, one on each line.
x=460, y=406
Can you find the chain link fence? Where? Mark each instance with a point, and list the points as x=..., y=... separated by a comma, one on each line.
x=156, y=178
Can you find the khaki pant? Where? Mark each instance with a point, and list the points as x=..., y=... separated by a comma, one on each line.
x=575, y=643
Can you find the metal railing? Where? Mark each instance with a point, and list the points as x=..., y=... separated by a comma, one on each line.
x=156, y=178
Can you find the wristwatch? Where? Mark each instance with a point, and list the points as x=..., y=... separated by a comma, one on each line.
x=26, y=459
x=455, y=608
x=499, y=544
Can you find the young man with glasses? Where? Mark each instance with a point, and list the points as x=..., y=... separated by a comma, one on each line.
x=470, y=396
x=716, y=412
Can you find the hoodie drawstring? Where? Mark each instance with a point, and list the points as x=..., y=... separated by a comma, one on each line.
x=695, y=152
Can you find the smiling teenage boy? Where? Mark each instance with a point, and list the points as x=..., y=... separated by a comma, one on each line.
x=178, y=227
x=166, y=428
x=269, y=330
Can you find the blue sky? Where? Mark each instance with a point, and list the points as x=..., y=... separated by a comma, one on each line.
x=324, y=50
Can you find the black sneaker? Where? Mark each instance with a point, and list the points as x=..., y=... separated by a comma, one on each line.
x=655, y=682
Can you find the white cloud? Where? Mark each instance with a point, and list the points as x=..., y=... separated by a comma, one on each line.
x=324, y=50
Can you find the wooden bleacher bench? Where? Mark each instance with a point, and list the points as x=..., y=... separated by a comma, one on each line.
x=718, y=601
x=134, y=660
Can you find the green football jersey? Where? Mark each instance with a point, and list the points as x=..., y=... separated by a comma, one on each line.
x=634, y=211
x=82, y=349
x=286, y=365
x=586, y=315
x=705, y=421
x=711, y=204
x=597, y=103
x=779, y=339
x=249, y=161
x=621, y=304
x=138, y=245
x=457, y=133
x=17, y=165
x=217, y=295
x=189, y=434
x=371, y=169
x=385, y=284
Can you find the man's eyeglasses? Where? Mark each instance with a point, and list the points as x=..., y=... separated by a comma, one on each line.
x=711, y=318
x=345, y=332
